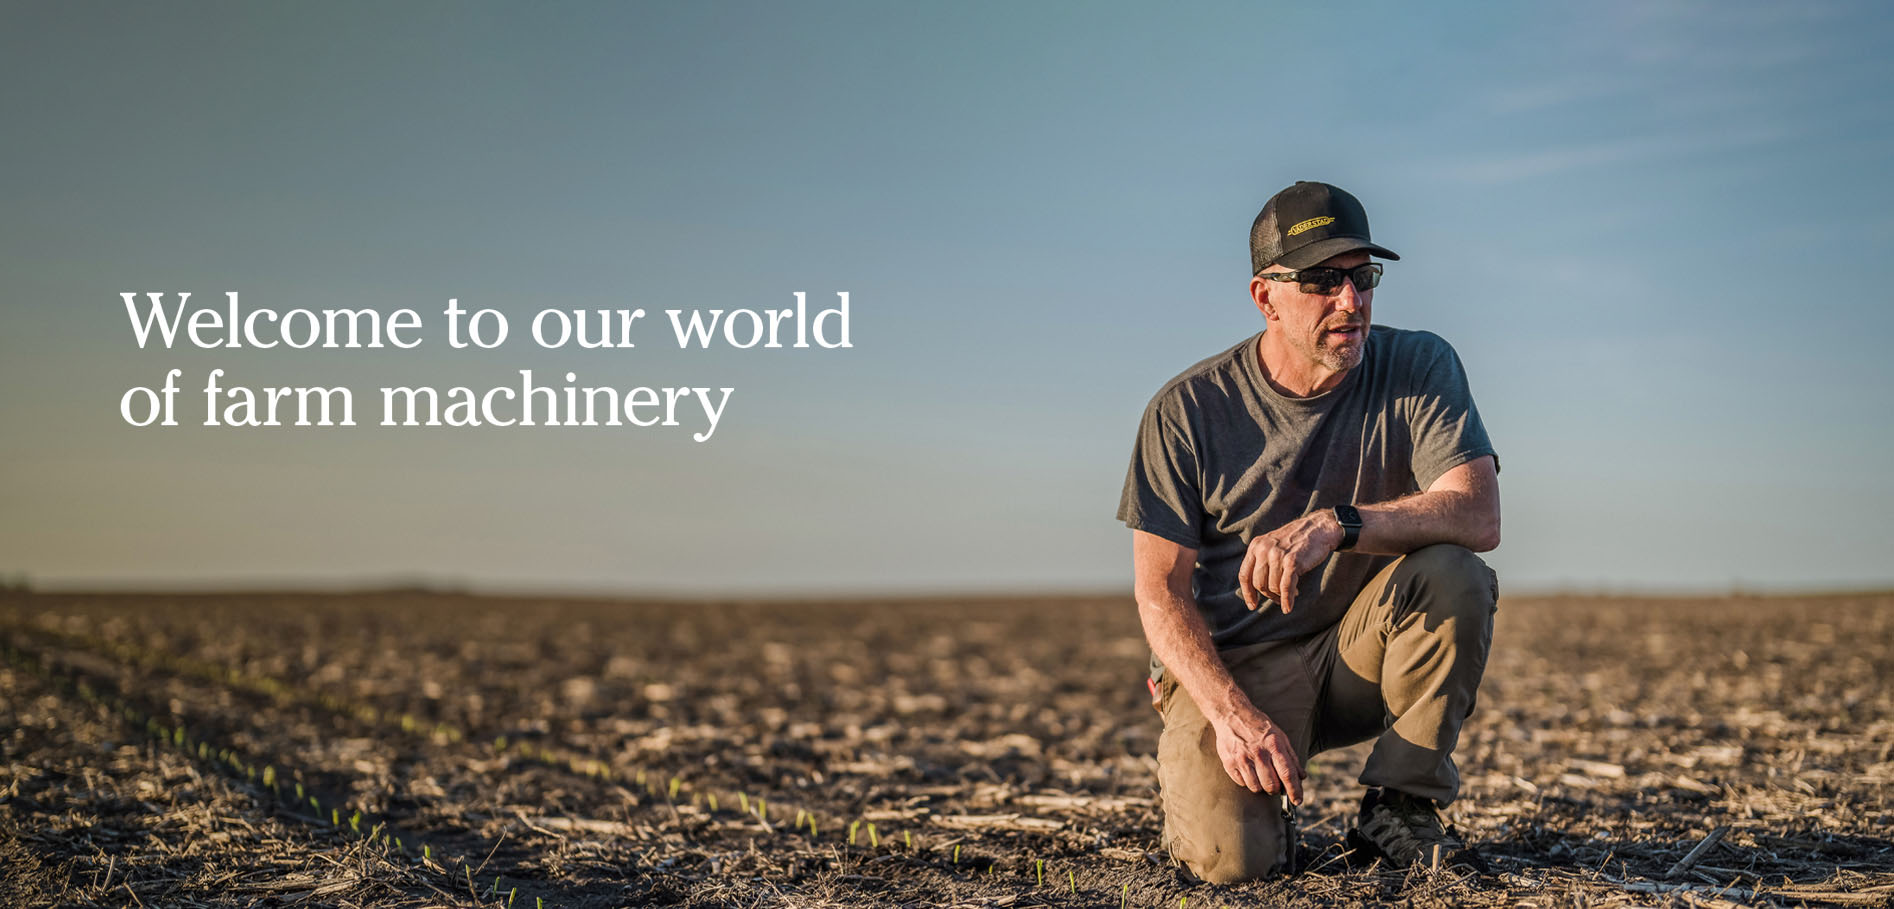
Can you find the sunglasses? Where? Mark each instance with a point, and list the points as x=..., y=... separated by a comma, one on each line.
x=1323, y=280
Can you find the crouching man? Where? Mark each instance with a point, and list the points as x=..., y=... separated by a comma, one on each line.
x=1305, y=509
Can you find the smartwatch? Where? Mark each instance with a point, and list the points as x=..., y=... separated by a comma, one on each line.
x=1350, y=519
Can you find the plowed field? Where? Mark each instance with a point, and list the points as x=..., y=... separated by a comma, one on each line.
x=397, y=749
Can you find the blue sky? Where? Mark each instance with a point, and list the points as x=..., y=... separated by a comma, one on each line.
x=1648, y=228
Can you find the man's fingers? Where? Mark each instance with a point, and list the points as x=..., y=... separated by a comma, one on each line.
x=1279, y=578
x=1290, y=772
x=1290, y=577
x=1265, y=775
x=1243, y=583
x=1240, y=771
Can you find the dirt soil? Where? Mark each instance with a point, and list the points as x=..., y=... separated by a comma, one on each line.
x=410, y=749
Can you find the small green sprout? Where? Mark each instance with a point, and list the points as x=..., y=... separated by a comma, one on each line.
x=427, y=852
x=1040, y=866
x=355, y=822
x=676, y=784
x=299, y=792
x=1124, y=897
x=269, y=776
x=907, y=839
x=315, y=805
x=762, y=808
x=499, y=744
x=398, y=847
x=470, y=884
x=852, y=827
x=712, y=796
x=874, y=841
x=335, y=817
x=640, y=778
x=539, y=902
x=799, y=816
x=812, y=832
x=510, y=894
x=956, y=853
x=1074, y=879
x=743, y=799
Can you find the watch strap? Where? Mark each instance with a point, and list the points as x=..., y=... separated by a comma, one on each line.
x=1350, y=519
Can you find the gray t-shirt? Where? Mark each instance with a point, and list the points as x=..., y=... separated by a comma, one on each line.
x=1222, y=457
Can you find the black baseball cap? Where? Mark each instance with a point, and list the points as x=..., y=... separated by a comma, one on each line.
x=1309, y=222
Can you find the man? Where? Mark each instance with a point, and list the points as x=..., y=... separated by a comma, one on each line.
x=1305, y=507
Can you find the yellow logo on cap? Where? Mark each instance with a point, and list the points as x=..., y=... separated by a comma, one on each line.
x=1310, y=224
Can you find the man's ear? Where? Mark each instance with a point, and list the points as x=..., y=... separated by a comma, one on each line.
x=1259, y=294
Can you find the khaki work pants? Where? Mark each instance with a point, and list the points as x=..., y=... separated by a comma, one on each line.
x=1403, y=664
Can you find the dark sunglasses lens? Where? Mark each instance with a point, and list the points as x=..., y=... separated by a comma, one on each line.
x=1366, y=277
x=1320, y=280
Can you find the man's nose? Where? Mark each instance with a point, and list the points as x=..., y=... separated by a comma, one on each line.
x=1347, y=297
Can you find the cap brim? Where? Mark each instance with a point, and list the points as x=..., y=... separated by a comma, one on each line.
x=1315, y=253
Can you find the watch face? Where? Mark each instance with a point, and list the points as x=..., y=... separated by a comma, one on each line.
x=1348, y=516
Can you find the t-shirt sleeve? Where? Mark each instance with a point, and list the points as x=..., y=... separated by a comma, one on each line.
x=1444, y=423
x=1162, y=489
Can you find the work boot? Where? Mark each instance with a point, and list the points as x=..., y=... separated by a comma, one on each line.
x=1406, y=830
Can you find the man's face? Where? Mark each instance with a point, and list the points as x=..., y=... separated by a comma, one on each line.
x=1331, y=330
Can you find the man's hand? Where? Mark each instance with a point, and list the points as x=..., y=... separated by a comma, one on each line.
x=1256, y=753
x=1277, y=560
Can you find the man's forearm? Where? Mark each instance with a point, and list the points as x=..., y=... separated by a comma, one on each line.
x=1180, y=639
x=1442, y=516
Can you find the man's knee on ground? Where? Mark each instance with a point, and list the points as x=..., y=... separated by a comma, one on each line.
x=1239, y=852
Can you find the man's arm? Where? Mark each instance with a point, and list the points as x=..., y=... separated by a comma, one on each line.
x=1462, y=506
x=1255, y=751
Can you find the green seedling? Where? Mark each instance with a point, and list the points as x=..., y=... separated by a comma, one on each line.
x=743, y=800
x=907, y=839
x=317, y=806
x=712, y=796
x=400, y=848
x=471, y=891
x=1124, y=897
x=874, y=842
x=852, y=827
x=812, y=833
x=510, y=894
x=762, y=808
x=269, y=776
x=539, y=902
x=335, y=817
x=299, y=792
x=499, y=744
x=355, y=822
x=1074, y=879
x=427, y=852
x=956, y=853
x=640, y=777
x=1040, y=866
x=799, y=815
x=676, y=784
